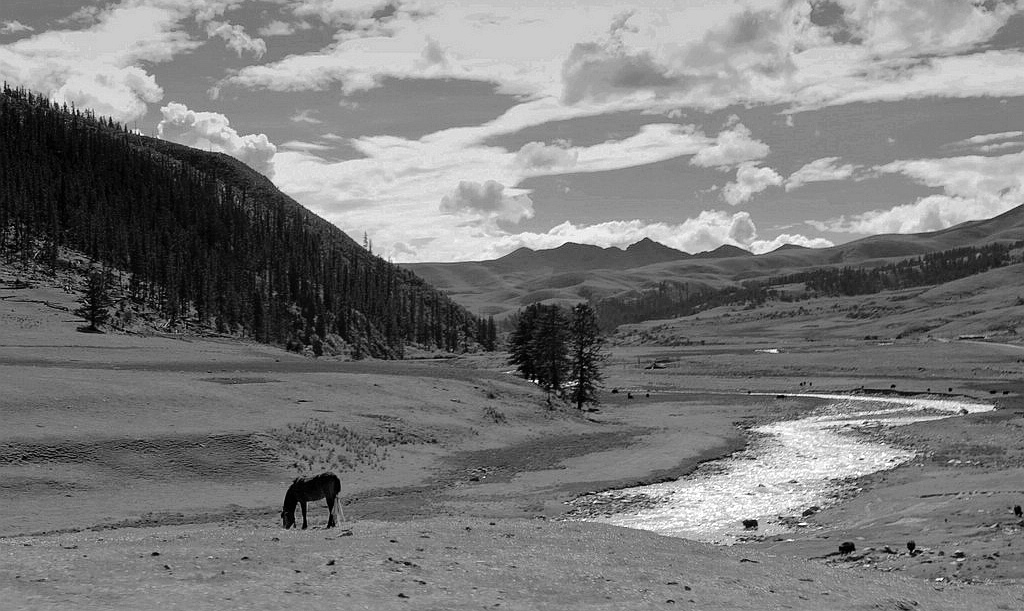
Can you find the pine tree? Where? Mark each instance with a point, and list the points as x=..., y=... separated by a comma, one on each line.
x=96, y=300
x=586, y=355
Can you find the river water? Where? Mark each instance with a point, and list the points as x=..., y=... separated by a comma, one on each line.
x=788, y=467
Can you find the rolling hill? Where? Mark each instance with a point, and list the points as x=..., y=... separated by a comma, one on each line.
x=574, y=272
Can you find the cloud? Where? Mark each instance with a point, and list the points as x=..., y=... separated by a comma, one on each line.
x=101, y=64
x=820, y=170
x=750, y=179
x=305, y=116
x=211, y=131
x=595, y=71
x=731, y=147
x=974, y=187
x=707, y=231
x=236, y=38
x=281, y=28
x=540, y=156
x=14, y=27
x=989, y=143
x=487, y=201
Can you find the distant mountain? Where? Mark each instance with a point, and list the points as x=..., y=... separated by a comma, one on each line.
x=580, y=257
x=204, y=238
x=575, y=272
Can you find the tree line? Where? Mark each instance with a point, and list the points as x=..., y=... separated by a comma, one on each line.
x=672, y=299
x=205, y=238
x=560, y=350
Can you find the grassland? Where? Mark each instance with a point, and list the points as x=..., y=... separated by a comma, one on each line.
x=144, y=471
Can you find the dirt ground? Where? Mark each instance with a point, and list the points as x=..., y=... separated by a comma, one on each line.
x=145, y=471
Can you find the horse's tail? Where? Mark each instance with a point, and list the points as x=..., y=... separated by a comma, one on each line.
x=337, y=502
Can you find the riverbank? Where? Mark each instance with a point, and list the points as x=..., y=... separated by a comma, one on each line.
x=180, y=447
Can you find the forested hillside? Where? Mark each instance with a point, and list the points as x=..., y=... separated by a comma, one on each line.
x=204, y=236
x=672, y=299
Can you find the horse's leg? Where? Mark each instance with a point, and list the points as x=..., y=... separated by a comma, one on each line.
x=303, y=504
x=331, y=501
x=341, y=512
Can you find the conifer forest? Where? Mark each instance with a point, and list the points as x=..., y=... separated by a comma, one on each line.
x=202, y=236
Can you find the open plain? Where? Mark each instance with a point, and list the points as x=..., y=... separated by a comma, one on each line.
x=144, y=471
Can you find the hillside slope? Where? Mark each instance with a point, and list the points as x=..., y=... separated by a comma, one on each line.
x=205, y=239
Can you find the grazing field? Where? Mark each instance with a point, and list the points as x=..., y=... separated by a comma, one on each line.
x=144, y=471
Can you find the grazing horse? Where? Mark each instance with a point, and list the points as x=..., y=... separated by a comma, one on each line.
x=304, y=489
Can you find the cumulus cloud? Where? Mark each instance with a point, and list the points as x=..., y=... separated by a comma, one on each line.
x=706, y=231
x=99, y=64
x=974, y=187
x=487, y=201
x=236, y=38
x=540, y=156
x=212, y=131
x=731, y=147
x=750, y=179
x=820, y=170
x=595, y=71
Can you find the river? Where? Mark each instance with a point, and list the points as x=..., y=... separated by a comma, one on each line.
x=788, y=467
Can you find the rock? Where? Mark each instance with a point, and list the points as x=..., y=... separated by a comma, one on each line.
x=911, y=546
x=847, y=547
x=750, y=524
x=810, y=511
x=959, y=554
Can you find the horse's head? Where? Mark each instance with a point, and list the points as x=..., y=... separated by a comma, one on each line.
x=288, y=519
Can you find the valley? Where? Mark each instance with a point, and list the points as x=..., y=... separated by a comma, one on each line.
x=149, y=469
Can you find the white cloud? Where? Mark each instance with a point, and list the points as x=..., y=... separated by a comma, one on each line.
x=990, y=143
x=820, y=170
x=237, y=39
x=14, y=27
x=298, y=145
x=540, y=156
x=707, y=231
x=211, y=131
x=282, y=28
x=487, y=201
x=101, y=66
x=305, y=116
x=974, y=187
x=750, y=179
x=731, y=147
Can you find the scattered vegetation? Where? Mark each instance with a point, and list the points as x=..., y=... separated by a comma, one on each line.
x=315, y=445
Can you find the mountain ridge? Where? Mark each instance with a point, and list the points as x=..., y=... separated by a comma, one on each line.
x=574, y=272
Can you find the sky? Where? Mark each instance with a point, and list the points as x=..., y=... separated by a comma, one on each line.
x=449, y=131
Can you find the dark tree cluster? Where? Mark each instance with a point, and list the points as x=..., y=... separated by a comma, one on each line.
x=561, y=351
x=672, y=299
x=930, y=269
x=204, y=237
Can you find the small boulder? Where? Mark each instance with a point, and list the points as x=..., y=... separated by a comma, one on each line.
x=750, y=524
x=847, y=547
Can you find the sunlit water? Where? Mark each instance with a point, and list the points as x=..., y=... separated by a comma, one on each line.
x=788, y=467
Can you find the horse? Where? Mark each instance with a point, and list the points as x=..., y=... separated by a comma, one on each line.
x=304, y=489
